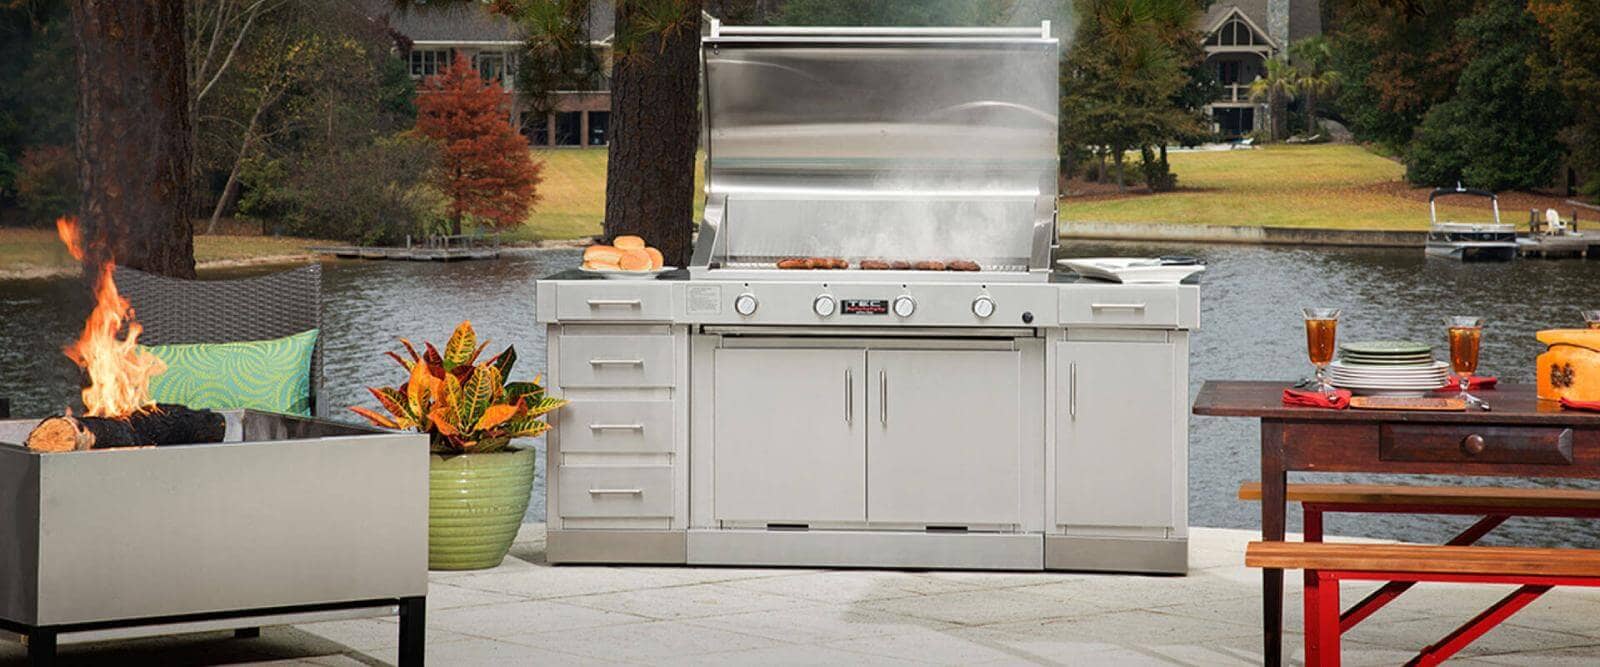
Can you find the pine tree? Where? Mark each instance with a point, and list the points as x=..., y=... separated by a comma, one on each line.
x=485, y=168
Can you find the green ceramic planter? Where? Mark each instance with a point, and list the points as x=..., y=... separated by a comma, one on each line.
x=475, y=506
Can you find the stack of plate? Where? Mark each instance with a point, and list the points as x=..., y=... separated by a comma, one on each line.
x=1388, y=368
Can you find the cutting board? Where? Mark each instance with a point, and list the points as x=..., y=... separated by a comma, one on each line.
x=1427, y=404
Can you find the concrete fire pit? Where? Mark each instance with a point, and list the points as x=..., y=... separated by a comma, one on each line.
x=288, y=520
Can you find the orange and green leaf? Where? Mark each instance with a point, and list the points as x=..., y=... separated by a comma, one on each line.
x=375, y=418
x=459, y=349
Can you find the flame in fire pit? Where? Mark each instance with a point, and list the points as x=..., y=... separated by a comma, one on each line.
x=119, y=371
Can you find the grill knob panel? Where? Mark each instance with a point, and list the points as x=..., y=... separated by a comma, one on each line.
x=904, y=306
x=745, y=304
x=823, y=306
x=983, y=307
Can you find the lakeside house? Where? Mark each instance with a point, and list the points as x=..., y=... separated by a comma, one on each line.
x=1240, y=35
x=428, y=39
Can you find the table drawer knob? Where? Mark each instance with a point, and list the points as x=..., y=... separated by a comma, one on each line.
x=1472, y=445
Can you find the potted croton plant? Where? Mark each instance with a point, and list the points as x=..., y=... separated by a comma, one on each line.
x=478, y=483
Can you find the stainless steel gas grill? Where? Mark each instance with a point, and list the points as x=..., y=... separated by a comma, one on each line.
x=874, y=407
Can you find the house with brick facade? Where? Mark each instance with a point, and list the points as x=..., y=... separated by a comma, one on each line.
x=428, y=38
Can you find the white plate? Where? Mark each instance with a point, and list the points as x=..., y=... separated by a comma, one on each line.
x=1131, y=270
x=1426, y=375
x=619, y=274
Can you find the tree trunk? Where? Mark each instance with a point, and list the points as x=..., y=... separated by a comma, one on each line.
x=133, y=135
x=1279, y=112
x=1311, y=113
x=233, y=174
x=655, y=128
x=1116, y=155
x=1100, y=166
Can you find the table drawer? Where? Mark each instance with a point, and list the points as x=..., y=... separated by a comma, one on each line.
x=614, y=301
x=616, y=426
x=614, y=491
x=1435, y=443
x=616, y=361
x=1125, y=305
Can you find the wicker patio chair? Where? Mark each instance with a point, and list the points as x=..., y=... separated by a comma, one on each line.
x=175, y=311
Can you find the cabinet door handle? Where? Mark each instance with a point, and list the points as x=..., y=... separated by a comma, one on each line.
x=616, y=427
x=1072, y=390
x=616, y=362
x=1116, y=306
x=630, y=303
x=616, y=492
x=883, y=398
x=849, y=396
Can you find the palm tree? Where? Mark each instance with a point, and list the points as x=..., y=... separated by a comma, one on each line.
x=1313, y=59
x=1279, y=86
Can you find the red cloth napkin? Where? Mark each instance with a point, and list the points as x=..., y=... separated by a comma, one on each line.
x=1478, y=382
x=1591, y=406
x=1315, y=399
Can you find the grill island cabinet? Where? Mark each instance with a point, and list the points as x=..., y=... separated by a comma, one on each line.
x=732, y=413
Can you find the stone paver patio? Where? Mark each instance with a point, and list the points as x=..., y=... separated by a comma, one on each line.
x=526, y=612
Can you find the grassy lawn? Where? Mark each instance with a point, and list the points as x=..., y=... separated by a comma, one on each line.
x=1322, y=186
x=572, y=198
x=39, y=252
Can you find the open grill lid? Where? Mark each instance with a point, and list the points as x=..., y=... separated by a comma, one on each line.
x=879, y=143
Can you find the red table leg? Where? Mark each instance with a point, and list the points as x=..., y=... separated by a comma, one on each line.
x=1479, y=625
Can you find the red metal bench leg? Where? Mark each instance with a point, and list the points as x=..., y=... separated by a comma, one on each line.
x=1372, y=603
x=1322, y=619
x=1479, y=625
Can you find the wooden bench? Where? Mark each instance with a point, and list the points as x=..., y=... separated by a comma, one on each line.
x=1537, y=570
x=1494, y=505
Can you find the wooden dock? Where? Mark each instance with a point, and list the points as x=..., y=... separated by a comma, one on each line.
x=1582, y=246
x=434, y=249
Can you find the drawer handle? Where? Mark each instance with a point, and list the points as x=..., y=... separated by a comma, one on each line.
x=1472, y=445
x=627, y=303
x=616, y=362
x=1116, y=306
x=616, y=492
x=616, y=427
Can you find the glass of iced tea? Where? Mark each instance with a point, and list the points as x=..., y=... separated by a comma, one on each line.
x=1591, y=318
x=1322, y=328
x=1466, y=335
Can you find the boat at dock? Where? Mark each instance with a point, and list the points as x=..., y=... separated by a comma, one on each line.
x=1470, y=241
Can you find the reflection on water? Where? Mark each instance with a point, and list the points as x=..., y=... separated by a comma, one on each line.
x=1250, y=328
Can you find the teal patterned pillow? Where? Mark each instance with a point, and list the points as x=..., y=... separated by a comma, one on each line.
x=270, y=375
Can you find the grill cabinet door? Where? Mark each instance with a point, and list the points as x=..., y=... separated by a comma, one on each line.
x=1115, y=435
x=790, y=437
x=945, y=439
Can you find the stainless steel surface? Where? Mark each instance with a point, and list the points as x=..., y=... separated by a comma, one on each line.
x=289, y=512
x=640, y=547
x=1147, y=556
x=137, y=631
x=856, y=548
x=897, y=144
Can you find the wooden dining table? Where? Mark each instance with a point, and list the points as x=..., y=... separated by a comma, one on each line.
x=1521, y=436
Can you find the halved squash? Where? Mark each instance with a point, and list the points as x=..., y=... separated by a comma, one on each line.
x=1570, y=368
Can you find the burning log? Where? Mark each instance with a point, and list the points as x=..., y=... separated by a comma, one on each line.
x=164, y=425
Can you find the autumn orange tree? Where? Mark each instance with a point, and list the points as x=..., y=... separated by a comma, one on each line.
x=485, y=169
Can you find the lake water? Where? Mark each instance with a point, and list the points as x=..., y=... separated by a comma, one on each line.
x=1250, y=328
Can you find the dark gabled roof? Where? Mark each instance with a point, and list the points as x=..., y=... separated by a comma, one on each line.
x=1305, y=16
x=471, y=21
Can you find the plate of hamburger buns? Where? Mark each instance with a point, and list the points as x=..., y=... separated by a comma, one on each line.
x=627, y=258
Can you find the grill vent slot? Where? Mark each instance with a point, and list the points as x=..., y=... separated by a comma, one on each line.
x=789, y=526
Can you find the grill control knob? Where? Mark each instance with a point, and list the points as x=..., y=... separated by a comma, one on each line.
x=745, y=304
x=983, y=307
x=904, y=306
x=823, y=306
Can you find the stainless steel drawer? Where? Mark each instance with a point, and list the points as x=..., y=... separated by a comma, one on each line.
x=616, y=361
x=614, y=301
x=616, y=426
x=614, y=491
x=1120, y=305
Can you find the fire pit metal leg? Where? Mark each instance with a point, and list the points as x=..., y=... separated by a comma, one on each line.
x=41, y=648
x=413, y=623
